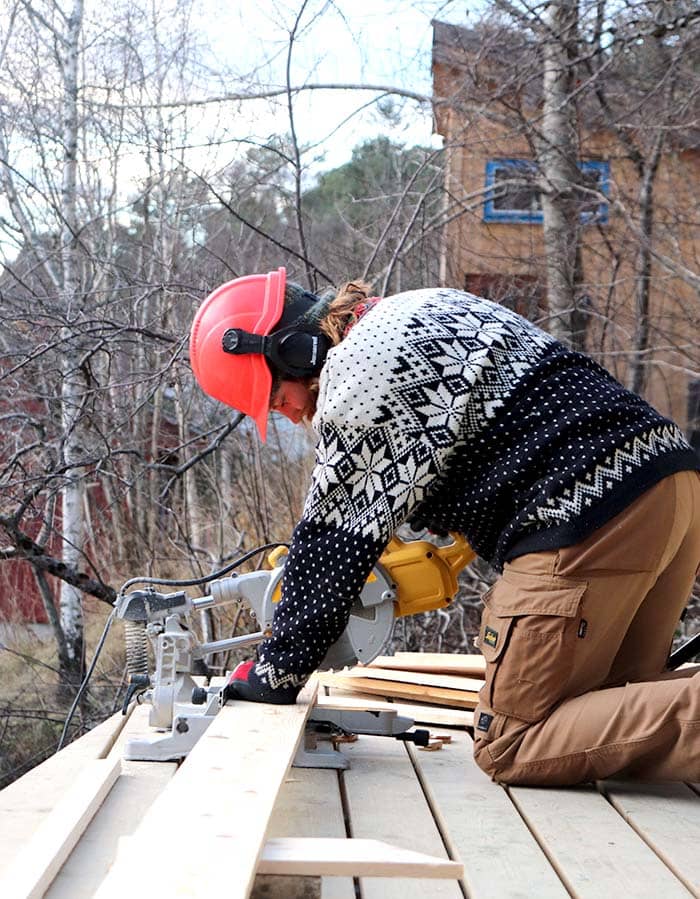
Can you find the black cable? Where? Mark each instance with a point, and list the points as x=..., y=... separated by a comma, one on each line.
x=195, y=582
x=88, y=675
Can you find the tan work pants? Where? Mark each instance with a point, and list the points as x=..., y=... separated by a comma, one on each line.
x=576, y=642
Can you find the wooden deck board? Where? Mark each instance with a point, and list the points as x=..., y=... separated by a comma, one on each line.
x=309, y=805
x=386, y=802
x=25, y=803
x=502, y=860
x=593, y=849
x=621, y=840
x=667, y=817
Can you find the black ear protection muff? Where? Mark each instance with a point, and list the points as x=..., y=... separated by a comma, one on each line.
x=296, y=347
x=291, y=351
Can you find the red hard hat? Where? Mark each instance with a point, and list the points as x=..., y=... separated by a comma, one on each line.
x=255, y=304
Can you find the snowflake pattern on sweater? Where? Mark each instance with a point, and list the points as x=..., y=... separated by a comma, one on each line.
x=447, y=407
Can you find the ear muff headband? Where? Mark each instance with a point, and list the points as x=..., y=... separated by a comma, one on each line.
x=291, y=351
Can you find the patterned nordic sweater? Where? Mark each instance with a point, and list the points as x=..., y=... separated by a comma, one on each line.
x=445, y=406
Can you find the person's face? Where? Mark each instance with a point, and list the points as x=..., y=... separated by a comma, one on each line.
x=294, y=400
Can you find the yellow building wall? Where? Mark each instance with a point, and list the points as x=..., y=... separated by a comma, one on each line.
x=609, y=252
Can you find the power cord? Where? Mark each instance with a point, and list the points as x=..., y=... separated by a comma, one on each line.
x=196, y=582
x=86, y=679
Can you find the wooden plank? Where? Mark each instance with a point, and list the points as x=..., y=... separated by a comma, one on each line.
x=222, y=796
x=427, y=679
x=352, y=857
x=137, y=726
x=667, y=818
x=119, y=815
x=25, y=803
x=480, y=824
x=457, y=698
x=426, y=714
x=33, y=869
x=354, y=703
x=435, y=662
x=592, y=848
x=309, y=805
x=385, y=802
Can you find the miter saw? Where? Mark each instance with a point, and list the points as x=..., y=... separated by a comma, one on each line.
x=411, y=577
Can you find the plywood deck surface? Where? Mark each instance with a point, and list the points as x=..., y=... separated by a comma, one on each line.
x=614, y=839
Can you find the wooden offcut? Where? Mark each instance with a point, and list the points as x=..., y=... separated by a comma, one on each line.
x=460, y=699
x=433, y=662
x=353, y=857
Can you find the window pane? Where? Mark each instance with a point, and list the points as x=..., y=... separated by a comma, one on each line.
x=519, y=192
x=592, y=177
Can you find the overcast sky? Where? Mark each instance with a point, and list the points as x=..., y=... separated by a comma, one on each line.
x=359, y=41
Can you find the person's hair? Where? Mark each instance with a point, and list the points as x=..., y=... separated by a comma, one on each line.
x=338, y=313
x=342, y=310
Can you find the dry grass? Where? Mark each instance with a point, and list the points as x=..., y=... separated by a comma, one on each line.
x=33, y=707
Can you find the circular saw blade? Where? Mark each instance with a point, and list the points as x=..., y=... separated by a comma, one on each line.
x=369, y=627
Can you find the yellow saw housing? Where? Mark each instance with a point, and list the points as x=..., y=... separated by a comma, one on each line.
x=424, y=575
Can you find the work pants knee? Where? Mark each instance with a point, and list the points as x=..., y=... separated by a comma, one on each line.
x=561, y=626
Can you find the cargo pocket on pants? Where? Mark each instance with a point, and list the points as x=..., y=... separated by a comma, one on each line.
x=527, y=636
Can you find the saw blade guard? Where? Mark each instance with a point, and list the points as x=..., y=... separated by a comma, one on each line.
x=369, y=627
x=371, y=620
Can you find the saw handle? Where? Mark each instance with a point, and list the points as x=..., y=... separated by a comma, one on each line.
x=425, y=574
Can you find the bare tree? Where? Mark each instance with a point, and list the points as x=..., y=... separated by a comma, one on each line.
x=561, y=87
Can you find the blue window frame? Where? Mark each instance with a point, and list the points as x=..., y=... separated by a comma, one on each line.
x=513, y=193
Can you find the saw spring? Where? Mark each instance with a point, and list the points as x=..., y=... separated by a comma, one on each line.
x=136, y=647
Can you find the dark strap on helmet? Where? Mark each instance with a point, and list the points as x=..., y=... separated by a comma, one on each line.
x=295, y=351
x=238, y=342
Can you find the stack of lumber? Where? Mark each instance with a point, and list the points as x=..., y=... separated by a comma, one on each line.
x=437, y=688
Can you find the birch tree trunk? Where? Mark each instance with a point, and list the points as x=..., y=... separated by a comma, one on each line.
x=638, y=369
x=558, y=160
x=73, y=385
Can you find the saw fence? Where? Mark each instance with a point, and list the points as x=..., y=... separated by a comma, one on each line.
x=235, y=820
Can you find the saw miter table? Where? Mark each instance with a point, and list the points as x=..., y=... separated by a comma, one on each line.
x=411, y=577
